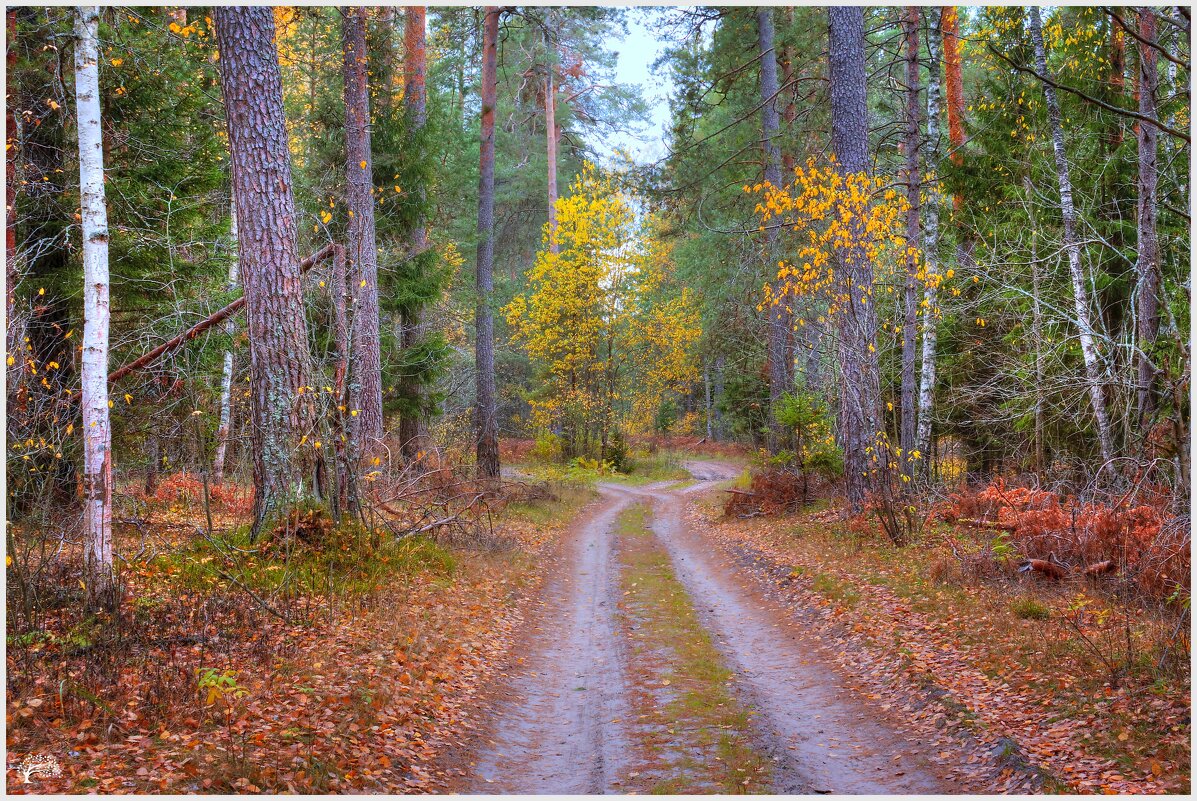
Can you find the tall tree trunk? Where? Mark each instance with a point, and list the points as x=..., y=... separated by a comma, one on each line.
x=365, y=385
x=780, y=358
x=1149, y=246
x=907, y=430
x=552, y=132
x=12, y=272
x=279, y=361
x=930, y=246
x=487, y=412
x=97, y=431
x=954, y=88
x=1072, y=246
x=343, y=445
x=226, y=377
x=1117, y=78
x=857, y=323
x=1036, y=332
x=412, y=430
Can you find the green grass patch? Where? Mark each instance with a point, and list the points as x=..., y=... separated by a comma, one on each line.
x=835, y=589
x=1029, y=609
x=698, y=738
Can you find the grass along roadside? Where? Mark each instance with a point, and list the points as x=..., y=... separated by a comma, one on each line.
x=693, y=734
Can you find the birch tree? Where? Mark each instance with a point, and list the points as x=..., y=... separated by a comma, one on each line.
x=1149, y=280
x=226, y=376
x=1081, y=300
x=97, y=431
x=930, y=242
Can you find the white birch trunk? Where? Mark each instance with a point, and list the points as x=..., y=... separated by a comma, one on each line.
x=226, y=379
x=97, y=432
x=930, y=245
x=1080, y=291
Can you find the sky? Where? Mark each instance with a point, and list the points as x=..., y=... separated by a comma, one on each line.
x=637, y=51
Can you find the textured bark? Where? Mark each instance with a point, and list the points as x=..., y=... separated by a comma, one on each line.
x=552, y=132
x=365, y=375
x=487, y=413
x=1149, y=247
x=279, y=362
x=226, y=376
x=412, y=429
x=12, y=272
x=857, y=322
x=907, y=429
x=953, y=86
x=1080, y=289
x=780, y=359
x=930, y=244
x=344, y=446
x=97, y=431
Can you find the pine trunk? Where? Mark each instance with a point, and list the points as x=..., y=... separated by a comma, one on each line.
x=412, y=429
x=779, y=317
x=1081, y=299
x=907, y=430
x=365, y=384
x=487, y=413
x=857, y=323
x=97, y=431
x=930, y=247
x=1149, y=247
x=279, y=361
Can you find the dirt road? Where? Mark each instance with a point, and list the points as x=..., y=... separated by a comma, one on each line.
x=568, y=722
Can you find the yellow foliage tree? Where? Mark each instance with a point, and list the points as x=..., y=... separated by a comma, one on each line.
x=600, y=321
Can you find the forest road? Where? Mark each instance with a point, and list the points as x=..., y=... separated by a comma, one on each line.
x=561, y=727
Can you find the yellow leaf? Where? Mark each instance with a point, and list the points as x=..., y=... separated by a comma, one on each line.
x=128, y=398
x=363, y=165
x=116, y=62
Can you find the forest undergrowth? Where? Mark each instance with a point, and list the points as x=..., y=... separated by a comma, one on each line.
x=1072, y=675
x=332, y=657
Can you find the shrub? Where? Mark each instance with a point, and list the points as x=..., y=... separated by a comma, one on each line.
x=1029, y=609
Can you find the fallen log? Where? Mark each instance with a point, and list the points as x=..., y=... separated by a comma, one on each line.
x=219, y=317
x=1049, y=569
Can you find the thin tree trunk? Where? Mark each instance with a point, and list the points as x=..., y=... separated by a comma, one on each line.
x=1117, y=78
x=279, y=362
x=487, y=413
x=412, y=430
x=907, y=429
x=930, y=246
x=857, y=323
x=1071, y=245
x=954, y=88
x=779, y=318
x=1149, y=247
x=12, y=271
x=365, y=384
x=97, y=432
x=226, y=377
x=706, y=385
x=552, y=133
x=344, y=446
x=1036, y=332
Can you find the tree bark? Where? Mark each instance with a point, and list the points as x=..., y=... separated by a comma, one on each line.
x=1148, y=311
x=552, y=132
x=857, y=323
x=1071, y=245
x=907, y=429
x=365, y=375
x=487, y=413
x=97, y=431
x=954, y=87
x=412, y=430
x=12, y=271
x=226, y=376
x=780, y=359
x=279, y=361
x=930, y=246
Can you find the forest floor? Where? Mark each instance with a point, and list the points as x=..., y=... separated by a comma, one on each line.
x=633, y=640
